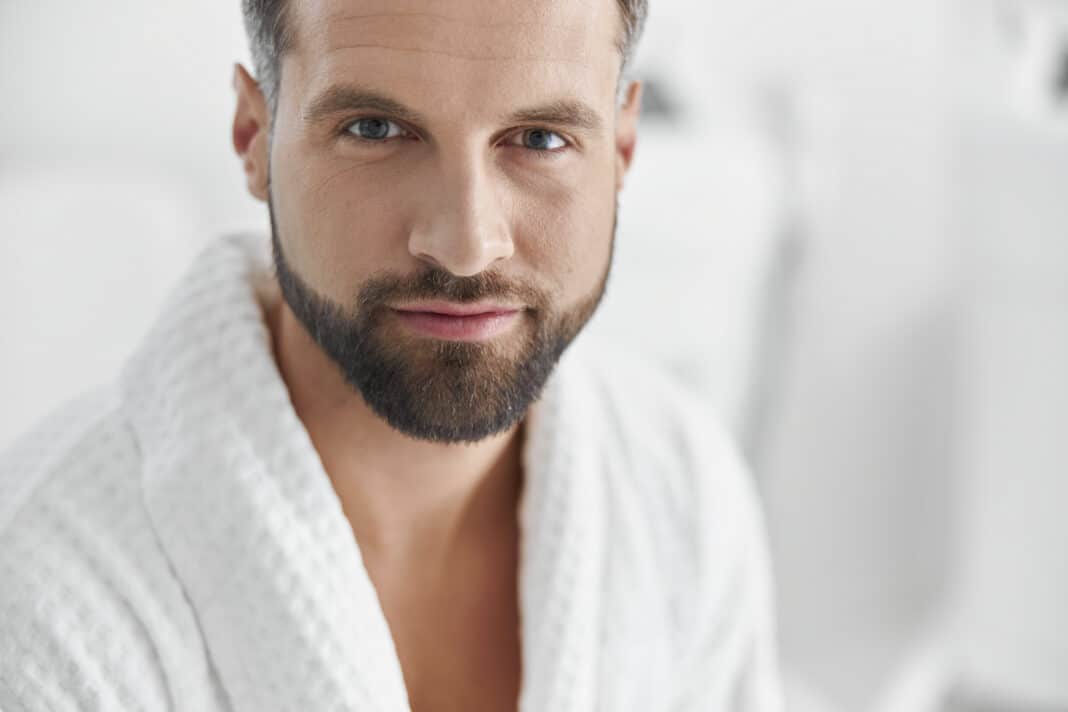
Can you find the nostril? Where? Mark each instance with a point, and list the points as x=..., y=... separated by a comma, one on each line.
x=460, y=254
x=430, y=260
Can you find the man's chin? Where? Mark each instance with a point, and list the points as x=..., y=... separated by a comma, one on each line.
x=445, y=391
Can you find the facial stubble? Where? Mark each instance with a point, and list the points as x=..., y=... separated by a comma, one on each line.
x=432, y=389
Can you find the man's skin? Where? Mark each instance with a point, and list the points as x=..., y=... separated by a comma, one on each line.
x=436, y=522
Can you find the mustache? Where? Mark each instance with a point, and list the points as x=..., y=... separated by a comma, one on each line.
x=435, y=284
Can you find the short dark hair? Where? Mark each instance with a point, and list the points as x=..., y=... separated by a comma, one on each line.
x=270, y=35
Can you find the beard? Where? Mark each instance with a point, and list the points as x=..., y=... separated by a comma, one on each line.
x=430, y=389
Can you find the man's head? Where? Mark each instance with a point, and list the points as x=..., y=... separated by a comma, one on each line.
x=414, y=151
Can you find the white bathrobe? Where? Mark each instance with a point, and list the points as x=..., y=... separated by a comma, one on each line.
x=172, y=542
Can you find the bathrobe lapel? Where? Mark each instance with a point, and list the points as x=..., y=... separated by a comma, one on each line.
x=562, y=521
x=256, y=534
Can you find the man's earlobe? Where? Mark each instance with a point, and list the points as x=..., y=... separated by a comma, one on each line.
x=250, y=131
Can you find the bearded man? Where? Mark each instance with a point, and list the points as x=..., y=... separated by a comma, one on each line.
x=359, y=464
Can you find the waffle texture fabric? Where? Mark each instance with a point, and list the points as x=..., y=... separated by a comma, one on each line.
x=171, y=541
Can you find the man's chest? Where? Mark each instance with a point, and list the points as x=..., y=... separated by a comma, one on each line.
x=461, y=655
x=457, y=631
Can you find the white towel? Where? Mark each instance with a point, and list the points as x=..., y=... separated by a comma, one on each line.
x=173, y=542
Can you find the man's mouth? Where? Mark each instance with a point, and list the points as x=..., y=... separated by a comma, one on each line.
x=453, y=321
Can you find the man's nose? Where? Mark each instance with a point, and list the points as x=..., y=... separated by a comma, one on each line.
x=464, y=227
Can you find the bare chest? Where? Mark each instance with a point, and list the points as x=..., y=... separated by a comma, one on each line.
x=458, y=641
x=461, y=657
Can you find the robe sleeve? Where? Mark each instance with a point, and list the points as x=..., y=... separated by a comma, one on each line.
x=60, y=652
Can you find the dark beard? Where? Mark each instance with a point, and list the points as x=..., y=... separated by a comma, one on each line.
x=438, y=390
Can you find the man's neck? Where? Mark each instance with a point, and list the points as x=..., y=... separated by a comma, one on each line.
x=410, y=502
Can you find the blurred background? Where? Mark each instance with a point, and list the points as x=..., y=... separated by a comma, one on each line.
x=863, y=204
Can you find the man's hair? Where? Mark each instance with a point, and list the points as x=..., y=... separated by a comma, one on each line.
x=270, y=35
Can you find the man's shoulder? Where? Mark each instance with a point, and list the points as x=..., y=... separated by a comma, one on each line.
x=686, y=527
x=674, y=467
x=82, y=441
x=671, y=436
x=85, y=587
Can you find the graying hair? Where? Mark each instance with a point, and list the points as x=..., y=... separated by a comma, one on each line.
x=270, y=35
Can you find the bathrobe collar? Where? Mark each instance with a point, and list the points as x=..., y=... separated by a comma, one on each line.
x=257, y=537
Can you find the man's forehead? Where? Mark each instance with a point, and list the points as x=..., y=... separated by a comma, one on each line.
x=559, y=31
x=447, y=59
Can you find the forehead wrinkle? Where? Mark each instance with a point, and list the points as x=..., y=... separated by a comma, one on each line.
x=461, y=57
x=436, y=34
x=444, y=18
x=541, y=15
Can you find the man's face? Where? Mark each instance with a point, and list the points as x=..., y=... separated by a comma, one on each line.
x=459, y=194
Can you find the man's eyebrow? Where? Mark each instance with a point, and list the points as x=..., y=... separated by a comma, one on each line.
x=564, y=112
x=342, y=98
x=338, y=99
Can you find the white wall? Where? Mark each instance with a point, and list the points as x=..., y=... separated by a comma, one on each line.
x=127, y=82
x=859, y=471
x=1010, y=179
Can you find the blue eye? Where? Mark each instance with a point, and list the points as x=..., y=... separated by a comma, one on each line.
x=542, y=140
x=373, y=129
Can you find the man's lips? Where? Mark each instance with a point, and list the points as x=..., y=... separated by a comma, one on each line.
x=458, y=309
x=458, y=322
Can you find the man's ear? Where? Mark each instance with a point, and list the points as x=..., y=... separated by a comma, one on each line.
x=251, y=132
x=627, y=131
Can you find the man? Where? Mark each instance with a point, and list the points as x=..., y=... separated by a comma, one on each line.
x=377, y=476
